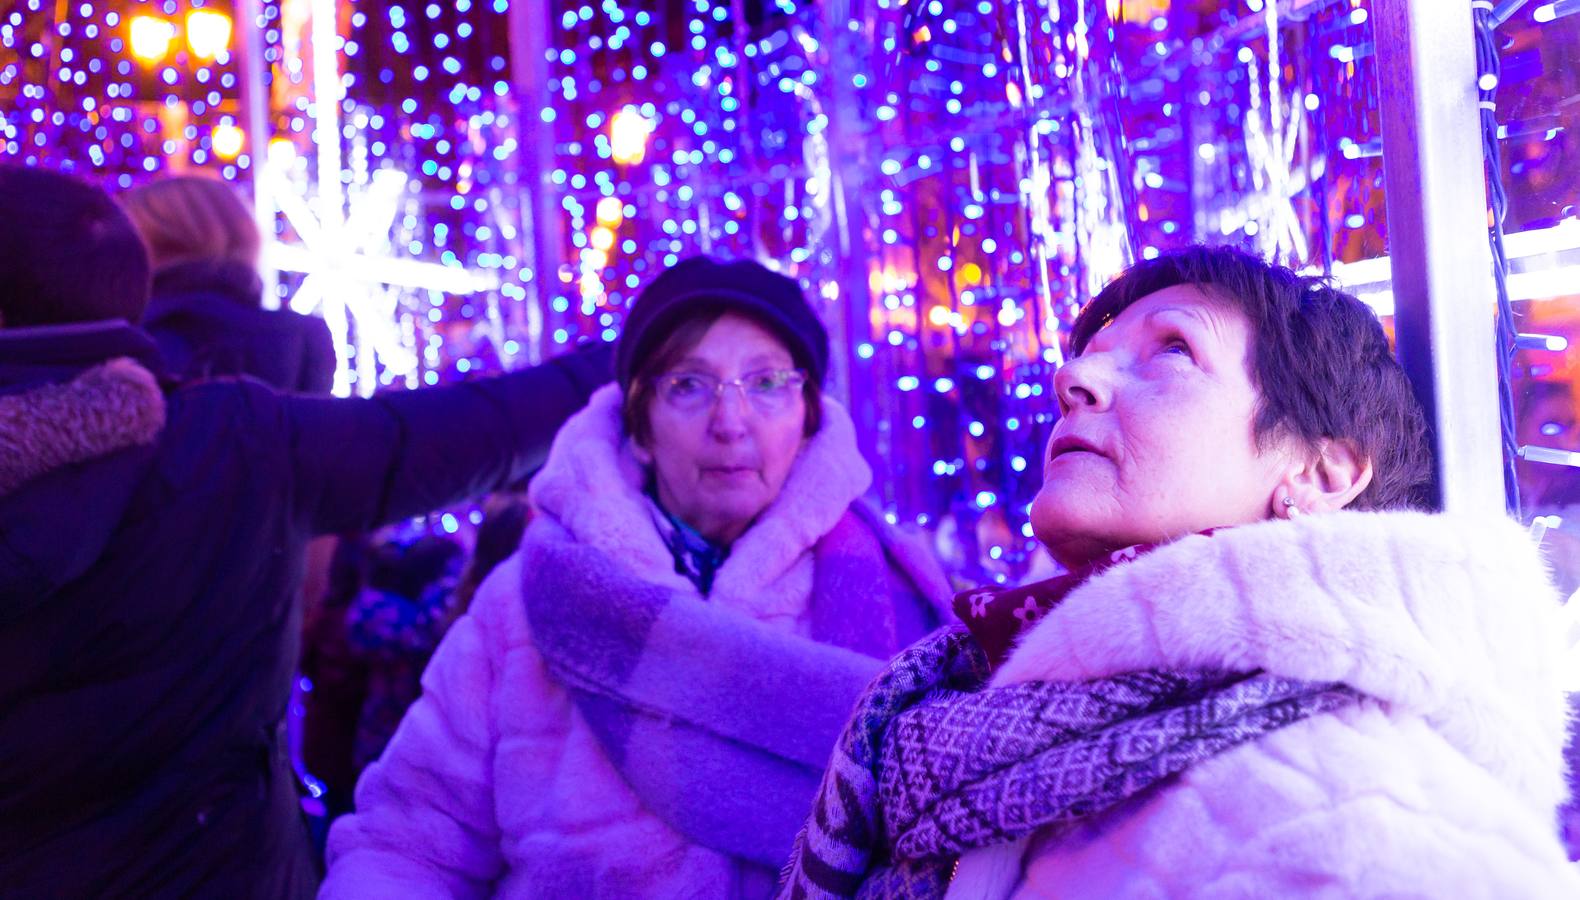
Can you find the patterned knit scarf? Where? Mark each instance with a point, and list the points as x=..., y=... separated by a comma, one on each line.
x=933, y=765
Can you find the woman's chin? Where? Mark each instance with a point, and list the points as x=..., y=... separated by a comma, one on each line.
x=735, y=494
x=1072, y=530
x=730, y=512
x=1061, y=508
x=1065, y=542
x=1074, y=550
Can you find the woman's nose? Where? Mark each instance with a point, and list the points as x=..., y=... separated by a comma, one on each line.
x=730, y=410
x=1082, y=383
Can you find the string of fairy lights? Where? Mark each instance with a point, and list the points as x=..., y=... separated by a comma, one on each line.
x=121, y=90
x=949, y=179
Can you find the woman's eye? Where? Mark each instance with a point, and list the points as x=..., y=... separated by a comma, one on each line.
x=1178, y=345
x=685, y=385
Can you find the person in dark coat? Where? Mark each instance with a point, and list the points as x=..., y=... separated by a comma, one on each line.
x=206, y=311
x=151, y=543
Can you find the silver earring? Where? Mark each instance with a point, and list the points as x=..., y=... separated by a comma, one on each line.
x=1290, y=509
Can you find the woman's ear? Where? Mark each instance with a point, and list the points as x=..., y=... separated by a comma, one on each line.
x=1328, y=480
x=642, y=454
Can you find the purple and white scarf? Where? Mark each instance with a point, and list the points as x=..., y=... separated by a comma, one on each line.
x=933, y=764
x=720, y=725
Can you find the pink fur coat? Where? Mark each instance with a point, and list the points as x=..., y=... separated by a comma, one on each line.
x=494, y=784
x=1443, y=784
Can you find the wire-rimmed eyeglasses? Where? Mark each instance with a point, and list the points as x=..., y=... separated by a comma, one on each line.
x=768, y=390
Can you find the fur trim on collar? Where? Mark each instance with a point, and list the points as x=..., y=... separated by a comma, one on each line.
x=107, y=408
x=591, y=489
x=1444, y=618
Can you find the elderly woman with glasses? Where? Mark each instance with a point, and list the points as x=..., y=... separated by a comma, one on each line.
x=641, y=701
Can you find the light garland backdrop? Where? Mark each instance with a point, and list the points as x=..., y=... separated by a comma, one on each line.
x=472, y=185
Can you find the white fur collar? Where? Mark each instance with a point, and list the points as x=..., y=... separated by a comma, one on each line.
x=591, y=490
x=1446, y=618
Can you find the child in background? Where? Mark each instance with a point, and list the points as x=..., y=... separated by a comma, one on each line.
x=417, y=587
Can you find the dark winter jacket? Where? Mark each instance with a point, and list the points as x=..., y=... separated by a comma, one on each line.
x=207, y=319
x=151, y=546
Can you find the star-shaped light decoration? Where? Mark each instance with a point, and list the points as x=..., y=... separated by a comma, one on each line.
x=353, y=279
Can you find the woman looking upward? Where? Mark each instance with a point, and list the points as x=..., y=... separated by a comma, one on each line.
x=1267, y=672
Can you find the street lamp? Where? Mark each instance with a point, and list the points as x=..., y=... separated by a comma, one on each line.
x=208, y=33
x=227, y=141
x=150, y=38
x=628, y=132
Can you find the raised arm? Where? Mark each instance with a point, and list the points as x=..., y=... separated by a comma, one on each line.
x=360, y=463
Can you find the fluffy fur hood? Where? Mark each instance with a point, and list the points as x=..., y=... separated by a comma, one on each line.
x=496, y=783
x=1448, y=619
x=591, y=491
x=107, y=408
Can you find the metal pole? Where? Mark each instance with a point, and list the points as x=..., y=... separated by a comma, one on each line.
x=541, y=224
x=1437, y=235
x=328, y=91
x=255, y=109
x=848, y=317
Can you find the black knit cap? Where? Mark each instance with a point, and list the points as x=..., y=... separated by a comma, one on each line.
x=702, y=283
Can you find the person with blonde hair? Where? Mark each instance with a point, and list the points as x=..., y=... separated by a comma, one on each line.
x=206, y=311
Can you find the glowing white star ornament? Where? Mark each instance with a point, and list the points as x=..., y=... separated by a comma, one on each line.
x=353, y=279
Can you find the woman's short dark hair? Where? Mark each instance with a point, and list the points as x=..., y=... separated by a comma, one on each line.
x=1319, y=359
x=684, y=336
